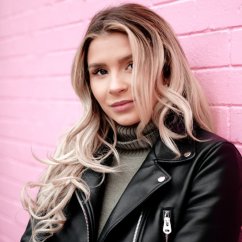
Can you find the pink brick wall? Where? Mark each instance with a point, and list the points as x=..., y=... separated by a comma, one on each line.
x=38, y=40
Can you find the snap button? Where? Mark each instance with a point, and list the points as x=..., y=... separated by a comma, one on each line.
x=187, y=154
x=161, y=179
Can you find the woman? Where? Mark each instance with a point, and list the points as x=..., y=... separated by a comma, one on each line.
x=142, y=164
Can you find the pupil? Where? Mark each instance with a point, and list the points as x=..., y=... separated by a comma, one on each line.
x=102, y=72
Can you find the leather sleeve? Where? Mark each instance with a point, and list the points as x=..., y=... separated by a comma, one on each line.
x=72, y=231
x=213, y=210
x=27, y=234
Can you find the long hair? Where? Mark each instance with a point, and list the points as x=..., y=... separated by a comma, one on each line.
x=160, y=71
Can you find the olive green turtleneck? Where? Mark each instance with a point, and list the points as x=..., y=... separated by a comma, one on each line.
x=132, y=153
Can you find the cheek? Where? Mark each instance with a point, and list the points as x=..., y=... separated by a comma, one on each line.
x=98, y=92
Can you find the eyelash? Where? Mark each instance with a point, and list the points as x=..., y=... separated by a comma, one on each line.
x=130, y=64
x=96, y=72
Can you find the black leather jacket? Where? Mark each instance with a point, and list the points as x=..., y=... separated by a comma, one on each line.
x=193, y=198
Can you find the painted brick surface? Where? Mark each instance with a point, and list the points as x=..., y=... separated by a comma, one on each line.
x=38, y=40
x=207, y=49
x=236, y=58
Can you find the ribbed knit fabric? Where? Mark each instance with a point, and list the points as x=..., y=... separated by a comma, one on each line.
x=132, y=153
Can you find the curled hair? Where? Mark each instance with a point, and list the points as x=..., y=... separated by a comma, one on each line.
x=164, y=88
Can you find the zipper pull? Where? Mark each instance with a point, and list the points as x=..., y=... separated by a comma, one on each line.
x=167, y=222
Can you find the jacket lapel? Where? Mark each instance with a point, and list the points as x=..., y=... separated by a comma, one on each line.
x=145, y=182
x=148, y=179
x=186, y=147
x=96, y=185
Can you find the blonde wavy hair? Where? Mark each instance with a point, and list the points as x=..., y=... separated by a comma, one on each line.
x=160, y=70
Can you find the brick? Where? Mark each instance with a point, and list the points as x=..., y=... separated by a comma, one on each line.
x=11, y=7
x=52, y=40
x=60, y=14
x=212, y=14
x=25, y=132
x=34, y=111
x=222, y=86
x=236, y=128
x=6, y=8
x=4, y=238
x=200, y=15
x=17, y=170
x=6, y=230
x=236, y=44
x=9, y=27
x=7, y=187
x=42, y=42
x=40, y=65
x=16, y=213
x=177, y=15
x=45, y=131
x=24, y=5
x=23, y=153
x=20, y=45
x=207, y=49
x=84, y=10
x=52, y=15
x=221, y=121
x=37, y=88
x=34, y=19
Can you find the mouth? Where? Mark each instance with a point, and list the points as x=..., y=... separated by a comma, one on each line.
x=116, y=104
x=122, y=105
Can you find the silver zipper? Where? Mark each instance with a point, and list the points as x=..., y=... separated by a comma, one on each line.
x=137, y=227
x=167, y=223
x=85, y=216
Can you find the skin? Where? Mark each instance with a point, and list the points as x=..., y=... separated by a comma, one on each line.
x=110, y=68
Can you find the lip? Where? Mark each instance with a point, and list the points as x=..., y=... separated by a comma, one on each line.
x=116, y=104
x=123, y=105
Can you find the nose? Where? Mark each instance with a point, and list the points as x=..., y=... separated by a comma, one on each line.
x=118, y=83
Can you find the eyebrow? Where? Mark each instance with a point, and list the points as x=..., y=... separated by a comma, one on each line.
x=121, y=60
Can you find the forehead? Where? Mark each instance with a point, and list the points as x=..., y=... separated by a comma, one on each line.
x=108, y=45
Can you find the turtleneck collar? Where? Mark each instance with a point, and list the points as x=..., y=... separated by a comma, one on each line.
x=127, y=138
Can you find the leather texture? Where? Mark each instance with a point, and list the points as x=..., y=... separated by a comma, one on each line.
x=200, y=191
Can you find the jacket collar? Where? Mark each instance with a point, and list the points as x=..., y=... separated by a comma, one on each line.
x=186, y=146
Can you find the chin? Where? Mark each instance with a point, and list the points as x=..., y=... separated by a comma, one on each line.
x=127, y=122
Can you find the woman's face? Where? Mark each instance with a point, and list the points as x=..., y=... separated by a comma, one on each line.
x=110, y=67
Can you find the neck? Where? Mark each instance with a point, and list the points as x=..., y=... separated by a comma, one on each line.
x=127, y=137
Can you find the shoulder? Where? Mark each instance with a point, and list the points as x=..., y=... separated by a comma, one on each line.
x=207, y=145
x=202, y=134
x=208, y=141
x=214, y=151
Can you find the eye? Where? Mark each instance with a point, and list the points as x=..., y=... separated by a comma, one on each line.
x=130, y=66
x=100, y=72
